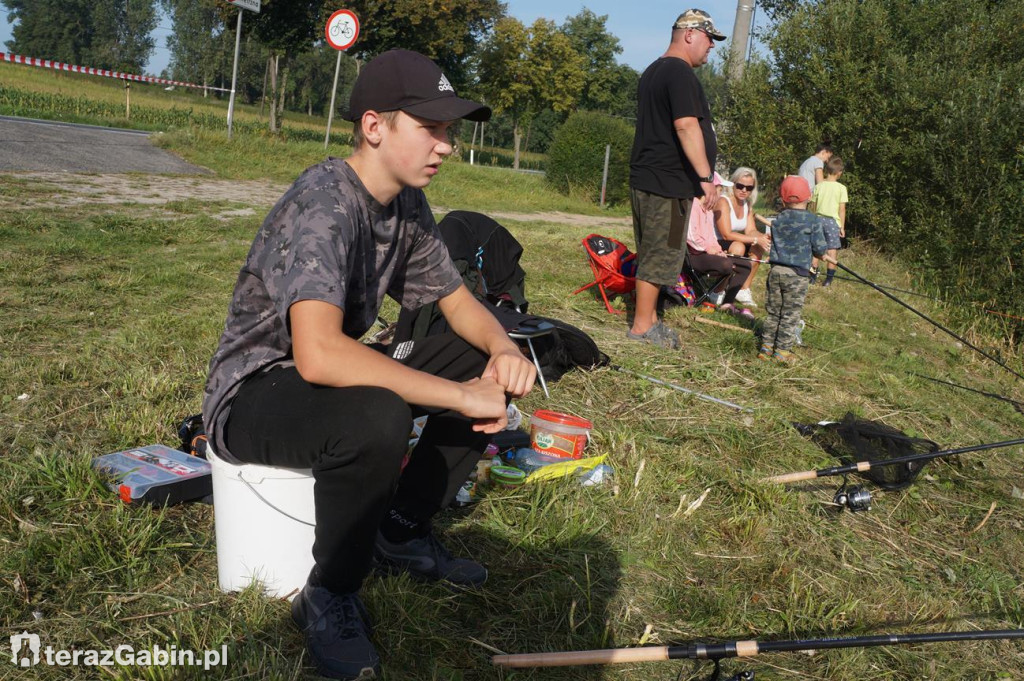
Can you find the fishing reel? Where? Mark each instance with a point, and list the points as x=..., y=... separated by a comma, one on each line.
x=853, y=497
x=716, y=674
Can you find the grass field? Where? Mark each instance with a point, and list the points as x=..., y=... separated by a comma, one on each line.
x=110, y=315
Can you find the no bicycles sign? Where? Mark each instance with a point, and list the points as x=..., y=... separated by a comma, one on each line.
x=342, y=29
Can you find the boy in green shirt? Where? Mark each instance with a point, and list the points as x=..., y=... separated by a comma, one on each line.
x=829, y=201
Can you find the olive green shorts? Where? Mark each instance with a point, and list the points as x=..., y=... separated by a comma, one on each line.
x=659, y=228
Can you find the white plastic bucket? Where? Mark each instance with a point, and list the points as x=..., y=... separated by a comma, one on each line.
x=264, y=518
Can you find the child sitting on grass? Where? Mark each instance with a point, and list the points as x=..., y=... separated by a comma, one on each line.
x=797, y=236
x=829, y=200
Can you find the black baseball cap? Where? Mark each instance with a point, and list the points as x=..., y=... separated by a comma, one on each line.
x=407, y=81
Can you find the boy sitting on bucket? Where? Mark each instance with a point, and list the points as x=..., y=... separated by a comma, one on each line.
x=797, y=236
x=291, y=385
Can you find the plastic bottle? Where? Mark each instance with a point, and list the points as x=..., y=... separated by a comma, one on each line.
x=596, y=475
x=529, y=460
x=515, y=417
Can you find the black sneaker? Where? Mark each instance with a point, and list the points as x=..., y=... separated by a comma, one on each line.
x=337, y=633
x=426, y=559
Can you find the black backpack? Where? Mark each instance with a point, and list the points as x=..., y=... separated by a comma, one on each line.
x=487, y=256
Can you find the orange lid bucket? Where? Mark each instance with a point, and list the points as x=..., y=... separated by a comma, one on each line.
x=557, y=434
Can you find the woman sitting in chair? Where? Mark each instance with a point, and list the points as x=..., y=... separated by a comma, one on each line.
x=737, y=231
x=706, y=256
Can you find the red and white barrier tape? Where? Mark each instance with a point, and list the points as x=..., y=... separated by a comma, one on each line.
x=60, y=66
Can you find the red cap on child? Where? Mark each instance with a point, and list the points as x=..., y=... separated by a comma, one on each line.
x=795, y=189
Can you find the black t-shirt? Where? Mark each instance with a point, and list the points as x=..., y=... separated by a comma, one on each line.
x=668, y=90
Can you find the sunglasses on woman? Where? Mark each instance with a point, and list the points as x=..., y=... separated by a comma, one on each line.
x=745, y=187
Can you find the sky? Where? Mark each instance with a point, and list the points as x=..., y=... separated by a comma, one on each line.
x=643, y=34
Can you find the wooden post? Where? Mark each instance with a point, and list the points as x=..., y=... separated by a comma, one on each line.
x=604, y=177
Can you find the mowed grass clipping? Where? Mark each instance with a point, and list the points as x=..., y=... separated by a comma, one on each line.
x=110, y=314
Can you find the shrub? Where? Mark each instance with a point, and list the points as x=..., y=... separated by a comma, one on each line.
x=576, y=156
x=927, y=116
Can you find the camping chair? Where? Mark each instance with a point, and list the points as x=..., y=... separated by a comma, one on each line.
x=703, y=283
x=527, y=331
x=613, y=265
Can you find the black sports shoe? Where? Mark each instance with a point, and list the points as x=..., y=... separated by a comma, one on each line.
x=428, y=560
x=337, y=633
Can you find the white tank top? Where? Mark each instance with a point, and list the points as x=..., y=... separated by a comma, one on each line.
x=739, y=224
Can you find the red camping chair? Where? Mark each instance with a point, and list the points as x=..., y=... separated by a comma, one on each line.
x=614, y=267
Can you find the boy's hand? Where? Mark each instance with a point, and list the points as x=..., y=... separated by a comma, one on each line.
x=829, y=259
x=483, y=400
x=512, y=371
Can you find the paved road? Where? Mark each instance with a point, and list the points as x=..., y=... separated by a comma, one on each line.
x=31, y=145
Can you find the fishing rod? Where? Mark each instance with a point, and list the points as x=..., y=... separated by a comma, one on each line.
x=864, y=466
x=928, y=319
x=893, y=288
x=937, y=300
x=1019, y=406
x=719, y=651
x=681, y=389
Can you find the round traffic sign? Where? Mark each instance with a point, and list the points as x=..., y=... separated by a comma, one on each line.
x=342, y=29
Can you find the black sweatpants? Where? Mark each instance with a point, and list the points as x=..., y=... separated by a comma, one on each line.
x=355, y=439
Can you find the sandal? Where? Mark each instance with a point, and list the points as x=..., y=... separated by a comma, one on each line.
x=659, y=335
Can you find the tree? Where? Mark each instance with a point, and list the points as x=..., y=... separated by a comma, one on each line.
x=36, y=34
x=109, y=34
x=285, y=27
x=606, y=83
x=197, y=45
x=524, y=71
x=779, y=10
x=122, y=34
x=576, y=157
x=447, y=31
x=928, y=116
x=313, y=77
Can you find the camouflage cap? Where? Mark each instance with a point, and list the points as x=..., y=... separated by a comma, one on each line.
x=700, y=20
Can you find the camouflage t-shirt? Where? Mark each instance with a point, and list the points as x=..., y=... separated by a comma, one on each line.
x=796, y=235
x=326, y=239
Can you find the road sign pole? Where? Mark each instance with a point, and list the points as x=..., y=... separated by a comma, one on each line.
x=234, y=73
x=341, y=32
x=334, y=91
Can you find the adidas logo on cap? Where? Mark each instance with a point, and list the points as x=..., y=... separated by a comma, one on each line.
x=443, y=84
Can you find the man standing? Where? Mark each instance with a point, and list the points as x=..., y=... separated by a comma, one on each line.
x=291, y=385
x=673, y=161
x=813, y=169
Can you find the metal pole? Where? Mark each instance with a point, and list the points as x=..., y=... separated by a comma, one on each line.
x=334, y=91
x=740, y=35
x=604, y=177
x=927, y=319
x=681, y=389
x=234, y=73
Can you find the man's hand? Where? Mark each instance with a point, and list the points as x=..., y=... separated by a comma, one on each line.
x=484, y=402
x=511, y=370
x=710, y=199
